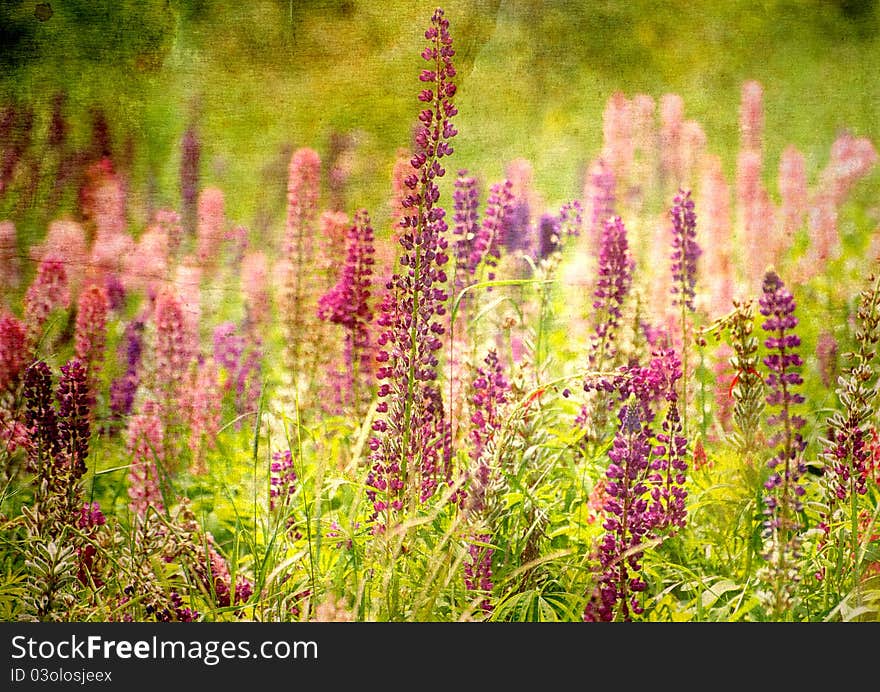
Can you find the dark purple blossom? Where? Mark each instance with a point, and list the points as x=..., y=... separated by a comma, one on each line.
x=615, y=279
x=75, y=403
x=495, y=228
x=466, y=228
x=685, y=250
x=478, y=569
x=40, y=416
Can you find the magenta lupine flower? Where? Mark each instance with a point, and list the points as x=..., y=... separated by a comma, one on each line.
x=348, y=302
x=478, y=569
x=75, y=402
x=228, y=347
x=783, y=500
x=221, y=581
x=90, y=331
x=48, y=291
x=490, y=393
x=410, y=425
x=571, y=219
x=502, y=222
x=466, y=227
x=282, y=479
x=616, y=266
x=548, y=236
x=145, y=450
x=685, y=250
x=13, y=354
x=627, y=522
x=644, y=482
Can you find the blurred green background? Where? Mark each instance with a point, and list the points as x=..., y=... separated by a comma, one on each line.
x=261, y=77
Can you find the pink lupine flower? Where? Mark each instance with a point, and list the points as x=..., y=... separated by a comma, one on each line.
x=188, y=281
x=755, y=214
x=671, y=124
x=65, y=240
x=793, y=193
x=332, y=230
x=751, y=116
x=617, y=131
x=210, y=227
x=145, y=450
x=645, y=143
x=303, y=191
x=851, y=159
x=716, y=233
x=13, y=354
x=693, y=149
x=173, y=348
x=255, y=289
x=48, y=291
x=200, y=404
x=90, y=331
x=9, y=264
x=599, y=201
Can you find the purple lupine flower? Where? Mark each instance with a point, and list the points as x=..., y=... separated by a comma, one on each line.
x=571, y=219
x=515, y=234
x=466, y=229
x=410, y=426
x=40, y=416
x=348, y=302
x=490, y=393
x=644, y=482
x=685, y=250
x=124, y=387
x=478, y=568
x=498, y=225
x=548, y=235
x=282, y=479
x=783, y=500
x=228, y=346
x=627, y=523
x=615, y=278
x=190, y=158
x=599, y=195
x=75, y=402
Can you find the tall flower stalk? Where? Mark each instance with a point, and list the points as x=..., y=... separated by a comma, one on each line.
x=348, y=305
x=410, y=427
x=685, y=252
x=847, y=449
x=784, y=491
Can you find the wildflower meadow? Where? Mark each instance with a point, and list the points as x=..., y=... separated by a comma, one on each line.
x=400, y=372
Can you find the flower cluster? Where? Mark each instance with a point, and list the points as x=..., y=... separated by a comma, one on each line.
x=783, y=499
x=685, y=250
x=644, y=482
x=348, y=302
x=124, y=387
x=616, y=267
x=478, y=569
x=282, y=479
x=48, y=291
x=466, y=227
x=411, y=440
x=145, y=448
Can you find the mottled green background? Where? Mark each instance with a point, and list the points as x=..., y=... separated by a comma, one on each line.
x=262, y=76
